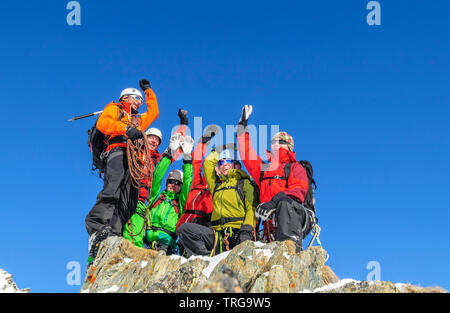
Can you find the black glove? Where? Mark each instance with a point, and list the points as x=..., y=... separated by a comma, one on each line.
x=210, y=132
x=144, y=84
x=265, y=210
x=182, y=114
x=246, y=233
x=134, y=133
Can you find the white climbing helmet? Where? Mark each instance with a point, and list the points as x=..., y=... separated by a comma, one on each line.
x=130, y=91
x=176, y=174
x=155, y=132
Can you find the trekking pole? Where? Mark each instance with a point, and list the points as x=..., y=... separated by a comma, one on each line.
x=83, y=116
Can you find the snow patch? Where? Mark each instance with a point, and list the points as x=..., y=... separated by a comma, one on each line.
x=7, y=285
x=213, y=263
x=329, y=287
x=267, y=252
x=176, y=257
x=144, y=264
x=259, y=244
x=400, y=286
x=113, y=288
x=127, y=260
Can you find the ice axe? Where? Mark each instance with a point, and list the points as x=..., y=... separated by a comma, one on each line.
x=83, y=116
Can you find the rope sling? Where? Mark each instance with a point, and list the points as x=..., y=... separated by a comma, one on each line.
x=141, y=168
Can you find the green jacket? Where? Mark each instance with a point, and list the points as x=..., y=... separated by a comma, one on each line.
x=165, y=208
x=229, y=209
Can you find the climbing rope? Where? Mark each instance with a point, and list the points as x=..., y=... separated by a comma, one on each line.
x=141, y=168
x=139, y=159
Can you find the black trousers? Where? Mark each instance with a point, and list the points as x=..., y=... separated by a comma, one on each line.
x=197, y=239
x=117, y=201
x=291, y=218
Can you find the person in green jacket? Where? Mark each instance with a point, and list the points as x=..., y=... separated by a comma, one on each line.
x=165, y=208
x=235, y=199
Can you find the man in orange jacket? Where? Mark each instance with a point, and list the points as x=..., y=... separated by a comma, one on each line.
x=118, y=199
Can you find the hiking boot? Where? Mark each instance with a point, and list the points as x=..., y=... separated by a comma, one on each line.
x=95, y=241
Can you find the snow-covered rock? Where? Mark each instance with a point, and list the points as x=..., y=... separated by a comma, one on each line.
x=252, y=267
x=7, y=284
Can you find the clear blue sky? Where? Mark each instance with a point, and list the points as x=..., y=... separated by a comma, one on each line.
x=369, y=106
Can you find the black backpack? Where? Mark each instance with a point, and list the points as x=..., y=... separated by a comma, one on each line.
x=310, y=201
x=97, y=142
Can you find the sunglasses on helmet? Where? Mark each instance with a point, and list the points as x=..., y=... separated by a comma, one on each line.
x=136, y=97
x=174, y=182
x=225, y=161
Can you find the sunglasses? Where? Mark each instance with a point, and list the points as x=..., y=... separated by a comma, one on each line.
x=137, y=97
x=174, y=182
x=225, y=161
x=280, y=142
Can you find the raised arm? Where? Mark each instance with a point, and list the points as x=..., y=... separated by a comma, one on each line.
x=152, y=105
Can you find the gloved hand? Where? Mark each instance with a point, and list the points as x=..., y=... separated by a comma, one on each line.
x=246, y=233
x=265, y=210
x=144, y=84
x=246, y=112
x=187, y=146
x=228, y=146
x=182, y=114
x=174, y=144
x=209, y=133
x=134, y=133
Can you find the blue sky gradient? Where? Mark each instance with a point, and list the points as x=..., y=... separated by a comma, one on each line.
x=368, y=105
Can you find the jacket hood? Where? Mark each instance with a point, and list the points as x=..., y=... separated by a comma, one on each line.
x=171, y=195
x=282, y=155
x=124, y=105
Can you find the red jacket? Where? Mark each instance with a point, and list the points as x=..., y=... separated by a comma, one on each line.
x=198, y=207
x=156, y=157
x=143, y=191
x=297, y=180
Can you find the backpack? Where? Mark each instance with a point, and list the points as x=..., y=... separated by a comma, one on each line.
x=239, y=188
x=310, y=201
x=97, y=142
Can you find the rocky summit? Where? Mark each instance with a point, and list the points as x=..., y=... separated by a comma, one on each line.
x=251, y=267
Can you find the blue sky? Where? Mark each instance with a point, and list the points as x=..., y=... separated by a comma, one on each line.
x=367, y=105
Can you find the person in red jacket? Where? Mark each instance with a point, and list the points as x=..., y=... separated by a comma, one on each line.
x=198, y=207
x=279, y=195
x=154, y=140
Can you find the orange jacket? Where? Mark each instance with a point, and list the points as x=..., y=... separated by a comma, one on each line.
x=110, y=125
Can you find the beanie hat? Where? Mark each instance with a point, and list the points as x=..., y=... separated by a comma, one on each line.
x=285, y=137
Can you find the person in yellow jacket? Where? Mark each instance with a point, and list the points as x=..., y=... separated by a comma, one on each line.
x=234, y=200
x=117, y=201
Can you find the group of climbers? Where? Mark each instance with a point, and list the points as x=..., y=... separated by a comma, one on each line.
x=210, y=206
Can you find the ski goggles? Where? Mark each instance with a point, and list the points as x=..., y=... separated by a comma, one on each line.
x=137, y=97
x=174, y=182
x=280, y=142
x=225, y=161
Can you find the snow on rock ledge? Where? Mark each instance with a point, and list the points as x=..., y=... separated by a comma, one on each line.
x=7, y=285
x=250, y=267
